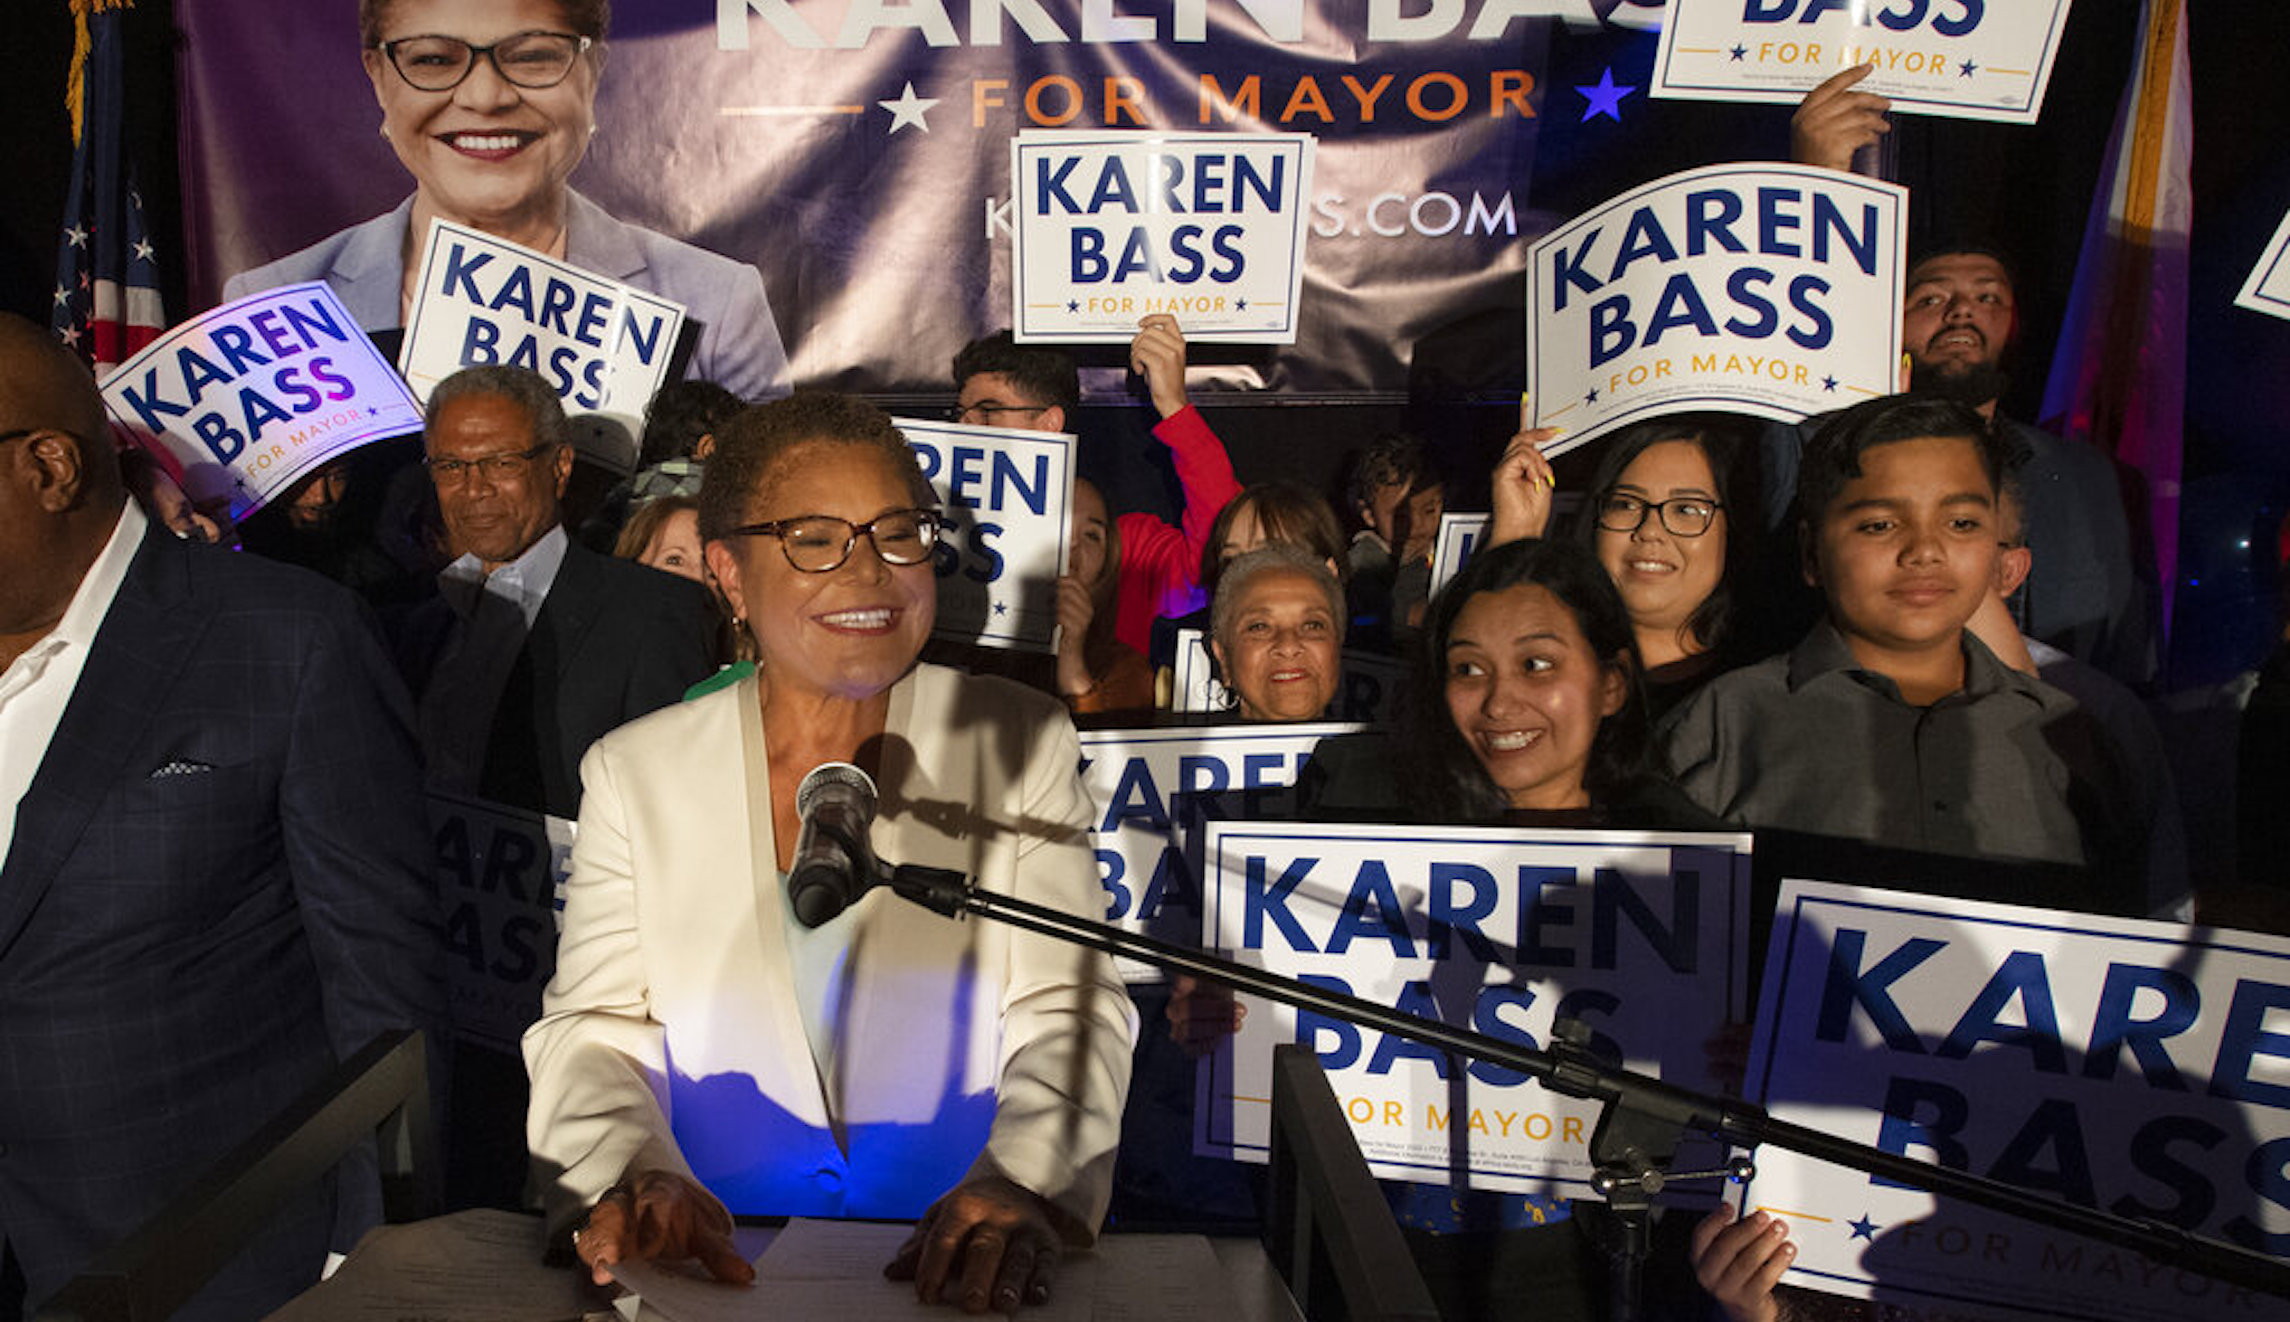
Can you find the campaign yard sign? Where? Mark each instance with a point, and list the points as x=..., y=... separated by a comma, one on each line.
x=1368, y=690
x=2268, y=288
x=1967, y=59
x=1772, y=290
x=1640, y=936
x=603, y=346
x=2132, y=1067
x=1008, y=500
x=1148, y=785
x=247, y=399
x=1113, y=226
x=501, y=882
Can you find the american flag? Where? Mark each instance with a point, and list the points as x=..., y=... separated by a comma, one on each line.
x=107, y=277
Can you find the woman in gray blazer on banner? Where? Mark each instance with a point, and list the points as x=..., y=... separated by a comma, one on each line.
x=490, y=104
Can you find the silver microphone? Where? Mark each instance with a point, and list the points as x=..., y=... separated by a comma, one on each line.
x=834, y=864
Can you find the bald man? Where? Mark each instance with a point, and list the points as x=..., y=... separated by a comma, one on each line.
x=212, y=857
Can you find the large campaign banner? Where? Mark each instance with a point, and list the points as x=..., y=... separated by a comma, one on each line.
x=1113, y=227
x=1640, y=936
x=2268, y=287
x=501, y=884
x=857, y=153
x=1771, y=290
x=1008, y=500
x=1969, y=59
x=1153, y=787
x=603, y=346
x=245, y=400
x=2136, y=1068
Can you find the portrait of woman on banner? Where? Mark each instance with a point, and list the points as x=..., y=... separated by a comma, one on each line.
x=490, y=105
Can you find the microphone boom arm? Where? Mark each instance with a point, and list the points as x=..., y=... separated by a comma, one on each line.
x=1644, y=1116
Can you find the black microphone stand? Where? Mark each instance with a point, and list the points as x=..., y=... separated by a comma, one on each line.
x=1643, y=1118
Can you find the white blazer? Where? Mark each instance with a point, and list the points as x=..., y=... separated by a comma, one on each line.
x=671, y=1036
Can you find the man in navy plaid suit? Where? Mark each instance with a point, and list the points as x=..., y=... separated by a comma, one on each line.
x=214, y=882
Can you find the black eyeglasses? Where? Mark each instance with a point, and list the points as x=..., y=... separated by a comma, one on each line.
x=1684, y=516
x=820, y=543
x=496, y=467
x=532, y=60
x=990, y=411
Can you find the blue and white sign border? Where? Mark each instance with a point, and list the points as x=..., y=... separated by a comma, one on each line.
x=1272, y=331
x=1891, y=197
x=2023, y=106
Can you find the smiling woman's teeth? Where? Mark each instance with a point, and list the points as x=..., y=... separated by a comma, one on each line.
x=1511, y=741
x=874, y=619
x=490, y=142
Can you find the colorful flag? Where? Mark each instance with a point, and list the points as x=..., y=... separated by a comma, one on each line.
x=107, y=278
x=2118, y=379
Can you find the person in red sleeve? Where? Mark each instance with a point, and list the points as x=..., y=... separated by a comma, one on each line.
x=1000, y=383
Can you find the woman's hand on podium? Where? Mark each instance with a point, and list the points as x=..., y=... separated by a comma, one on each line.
x=659, y=1215
x=987, y=1245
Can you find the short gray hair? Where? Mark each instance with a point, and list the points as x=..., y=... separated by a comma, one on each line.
x=1272, y=557
x=521, y=386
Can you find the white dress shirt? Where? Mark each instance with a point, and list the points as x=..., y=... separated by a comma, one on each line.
x=36, y=688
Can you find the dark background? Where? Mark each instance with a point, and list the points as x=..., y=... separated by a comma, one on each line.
x=2025, y=189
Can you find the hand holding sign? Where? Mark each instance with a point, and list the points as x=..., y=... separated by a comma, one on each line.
x=1834, y=121
x=1158, y=355
x=1523, y=483
x=1075, y=611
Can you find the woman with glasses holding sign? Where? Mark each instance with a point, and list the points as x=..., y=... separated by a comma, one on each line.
x=489, y=105
x=716, y=1039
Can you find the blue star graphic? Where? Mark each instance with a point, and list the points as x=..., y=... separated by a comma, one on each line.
x=1000, y=609
x=1738, y=53
x=1591, y=398
x=1605, y=98
x=1828, y=383
x=1073, y=305
x=1865, y=1228
x=1240, y=305
x=1967, y=69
